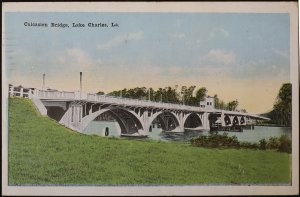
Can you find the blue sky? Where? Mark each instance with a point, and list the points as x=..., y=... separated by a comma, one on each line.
x=242, y=56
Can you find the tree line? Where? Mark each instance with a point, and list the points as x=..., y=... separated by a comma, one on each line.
x=282, y=108
x=187, y=95
x=281, y=113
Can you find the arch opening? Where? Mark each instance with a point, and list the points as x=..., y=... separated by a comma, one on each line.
x=193, y=121
x=212, y=118
x=227, y=120
x=235, y=121
x=165, y=121
x=55, y=112
x=127, y=122
x=242, y=120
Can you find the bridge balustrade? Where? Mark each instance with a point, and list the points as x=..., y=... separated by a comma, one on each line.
x=55, y=94
x=113, y=99
x=20, y=91
x=138, y=102
x=128, y=101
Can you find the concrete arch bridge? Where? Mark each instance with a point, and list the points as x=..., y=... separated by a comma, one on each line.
x=76, y=110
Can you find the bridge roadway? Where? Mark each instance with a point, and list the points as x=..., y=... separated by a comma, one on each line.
x=135, y=117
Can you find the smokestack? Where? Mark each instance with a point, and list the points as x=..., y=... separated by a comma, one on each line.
x=43, y=81
x=80, y=81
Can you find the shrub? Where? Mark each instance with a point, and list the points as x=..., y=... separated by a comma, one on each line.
x=262, y=144
x=233, y=141
x=285, y=144
x=273, y=143
x=249, y=145
x=199, y=141
x=214, y=140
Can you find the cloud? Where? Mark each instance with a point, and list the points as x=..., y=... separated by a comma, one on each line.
x=76, y=58
x=218, y=57
x=281, y=53
x=215, y=34
x=218, y=32
x=118, y=40
x=177, y=35
x=259, y=68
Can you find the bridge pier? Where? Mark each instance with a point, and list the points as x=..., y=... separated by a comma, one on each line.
x=73, y=117
x=206, y=124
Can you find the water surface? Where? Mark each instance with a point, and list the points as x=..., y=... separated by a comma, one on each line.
x=259, y=132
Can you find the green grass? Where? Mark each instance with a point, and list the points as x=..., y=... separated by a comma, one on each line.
x=43, y=152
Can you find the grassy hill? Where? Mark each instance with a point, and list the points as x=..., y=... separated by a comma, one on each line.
x=43, y=152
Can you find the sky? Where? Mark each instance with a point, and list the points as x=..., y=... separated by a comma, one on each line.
x=243, y=56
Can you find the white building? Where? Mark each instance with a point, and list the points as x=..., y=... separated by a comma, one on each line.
x=208, y=103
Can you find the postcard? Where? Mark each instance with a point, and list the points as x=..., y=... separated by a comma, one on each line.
x=150, y=98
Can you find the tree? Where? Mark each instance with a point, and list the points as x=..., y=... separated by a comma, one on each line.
x=187, y=96
x=183, y=94
x=100, y=93
x=222, y=105
x=158, y=95
x=114, y=93
x=232, y=105
x=217, y=102
x=123, y=93
x=189, y=99
x=201, y=94
x=283, y=106
x=170, y=95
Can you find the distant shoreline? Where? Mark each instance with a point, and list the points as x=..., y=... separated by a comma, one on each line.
x=272, y=125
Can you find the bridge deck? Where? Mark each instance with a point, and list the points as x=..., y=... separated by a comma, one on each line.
x=94, y=98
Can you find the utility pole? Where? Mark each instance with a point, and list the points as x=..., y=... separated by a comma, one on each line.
x=80, y=81
x=161, y=97
x=149, y=95
x=43, y=87
x=80, y=84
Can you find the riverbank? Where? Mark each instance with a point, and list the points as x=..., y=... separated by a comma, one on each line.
x=43, y=152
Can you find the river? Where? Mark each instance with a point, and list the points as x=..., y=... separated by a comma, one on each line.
x=259, y=132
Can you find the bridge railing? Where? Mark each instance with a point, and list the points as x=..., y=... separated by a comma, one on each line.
x=54, y=94
x=137, y=102
x=20, y=91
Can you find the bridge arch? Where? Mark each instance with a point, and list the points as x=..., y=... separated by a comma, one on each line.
x=242, y=121
x=153, y=117
x=192, y=120
x=55, y=112
x=212, y=118
x=127, y=120
x=118, y=119
x=235, y=120
x=227, y=120
x=167, y=119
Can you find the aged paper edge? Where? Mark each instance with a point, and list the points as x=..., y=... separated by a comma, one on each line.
x=213, y=7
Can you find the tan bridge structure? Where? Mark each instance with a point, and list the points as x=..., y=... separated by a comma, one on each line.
x=77, y=109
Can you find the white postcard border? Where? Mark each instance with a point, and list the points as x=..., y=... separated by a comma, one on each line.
x=241, y=7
